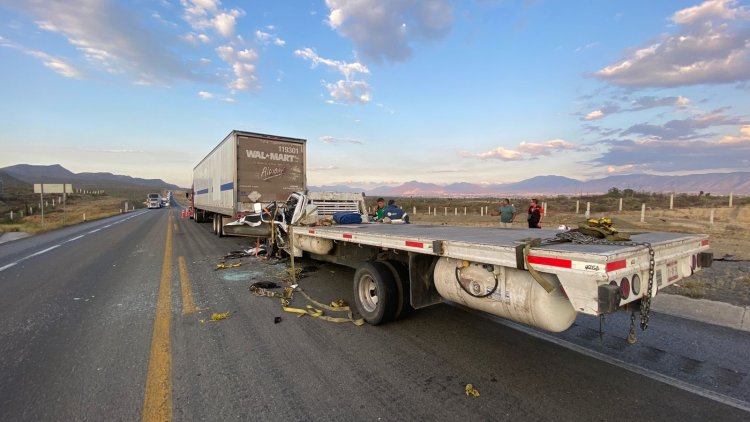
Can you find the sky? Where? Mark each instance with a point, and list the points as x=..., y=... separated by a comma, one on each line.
x=384, y=91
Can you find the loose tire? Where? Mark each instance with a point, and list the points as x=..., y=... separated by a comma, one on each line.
x=400, y=274
x=375, y=293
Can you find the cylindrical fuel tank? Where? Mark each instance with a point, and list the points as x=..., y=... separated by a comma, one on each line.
x=313, y=244
x=517, y=297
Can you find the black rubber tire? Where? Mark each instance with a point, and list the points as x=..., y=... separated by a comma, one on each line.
x=375, y=293
x=401, y=278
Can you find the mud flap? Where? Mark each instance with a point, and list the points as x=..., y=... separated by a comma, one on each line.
x=421, y=274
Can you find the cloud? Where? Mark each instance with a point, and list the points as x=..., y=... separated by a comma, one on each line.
x=243, y=67
x=711, y=46
x=266, y=38
x=205, y=95
x=323, y=168
x=547, y=148
x=203, y=15
x=525, y=151
x=348, y=89
x=57, y=64
x=333, y=140
x=627, y=168
x=676, y=155
x=499, y=153
x=681, y=129
x=744, y=136
x=635, y=104
x=594, y=115
x=110, y=38
x=386, y=29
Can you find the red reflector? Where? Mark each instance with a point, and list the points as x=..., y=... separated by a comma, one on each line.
x=552, y=262
x=311, y=231
x=625, y=288
x=704, y=242
x=617, y=265
x=412, y=244
x=347, y=236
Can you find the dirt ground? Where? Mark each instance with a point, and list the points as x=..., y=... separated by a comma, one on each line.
x=728, y=279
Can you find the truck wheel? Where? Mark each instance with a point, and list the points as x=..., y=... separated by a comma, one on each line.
x=375, y=293
x=401, y=278
x=219, y=225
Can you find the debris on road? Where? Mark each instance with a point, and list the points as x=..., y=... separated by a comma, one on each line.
x=277, y=320
x=223, y=266
x=471, y=391
x=216, y=317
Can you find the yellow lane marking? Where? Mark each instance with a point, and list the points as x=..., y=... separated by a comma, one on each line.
x=188, y=305
x=157, y=402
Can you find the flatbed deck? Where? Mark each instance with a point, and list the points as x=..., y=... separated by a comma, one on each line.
x=492, y=245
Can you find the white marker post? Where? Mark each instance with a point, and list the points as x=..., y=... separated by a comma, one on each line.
x=588, y=209
x=620, y=204
x=578, y=206
x=671, y=201
x=643, y=212
x=711, y=217
x=730, y=199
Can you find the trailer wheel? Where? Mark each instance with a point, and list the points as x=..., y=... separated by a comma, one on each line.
x=375, y=293
x=401, y=278
x=219, y=225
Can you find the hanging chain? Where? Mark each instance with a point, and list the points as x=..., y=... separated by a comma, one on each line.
x=583, y=239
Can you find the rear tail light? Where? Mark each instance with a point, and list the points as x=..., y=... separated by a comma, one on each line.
x=625, y=287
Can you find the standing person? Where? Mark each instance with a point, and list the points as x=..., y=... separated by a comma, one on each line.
x=535, y=216
x=380, y=210
x=507, y=213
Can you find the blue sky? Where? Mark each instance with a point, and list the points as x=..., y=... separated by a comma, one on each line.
x=385, y=91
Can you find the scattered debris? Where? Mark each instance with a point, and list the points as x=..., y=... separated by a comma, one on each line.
x=222, y=266
x=471, y=391
x=277, y=320
x=216, y=317
x=264, y=285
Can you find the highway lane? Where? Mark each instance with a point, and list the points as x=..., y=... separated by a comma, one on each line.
x=77, y=335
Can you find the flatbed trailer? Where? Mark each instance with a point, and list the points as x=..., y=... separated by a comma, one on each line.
x=527, y=275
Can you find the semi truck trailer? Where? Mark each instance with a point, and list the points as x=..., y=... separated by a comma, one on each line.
x=245, y=173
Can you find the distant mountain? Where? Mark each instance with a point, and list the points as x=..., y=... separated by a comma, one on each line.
x=717, y=183
x=56, y=173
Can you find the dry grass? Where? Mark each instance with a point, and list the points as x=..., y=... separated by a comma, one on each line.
x=693, y=289
x=55, y=218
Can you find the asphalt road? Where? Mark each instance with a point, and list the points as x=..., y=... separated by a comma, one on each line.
x=97, y=323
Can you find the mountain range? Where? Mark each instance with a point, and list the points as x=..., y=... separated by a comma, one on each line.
x=716, y=183
x=29, y=173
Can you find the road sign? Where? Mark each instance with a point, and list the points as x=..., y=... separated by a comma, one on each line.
x=53, y=188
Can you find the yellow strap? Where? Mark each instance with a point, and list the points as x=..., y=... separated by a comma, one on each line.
x=546, y=285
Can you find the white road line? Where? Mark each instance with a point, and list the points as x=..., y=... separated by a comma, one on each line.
x=40, y=252
x=5, y=267
x=682, y=385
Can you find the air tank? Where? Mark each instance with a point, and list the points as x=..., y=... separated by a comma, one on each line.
x=508, y=293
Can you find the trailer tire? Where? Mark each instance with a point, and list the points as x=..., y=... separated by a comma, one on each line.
x=401, y=278
x=375, y=293
x=219, y=225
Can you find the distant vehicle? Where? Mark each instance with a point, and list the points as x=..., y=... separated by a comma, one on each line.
x=153, y=200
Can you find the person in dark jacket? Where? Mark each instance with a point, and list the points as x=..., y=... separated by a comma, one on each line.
x=535, y=215
x=394, y=212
